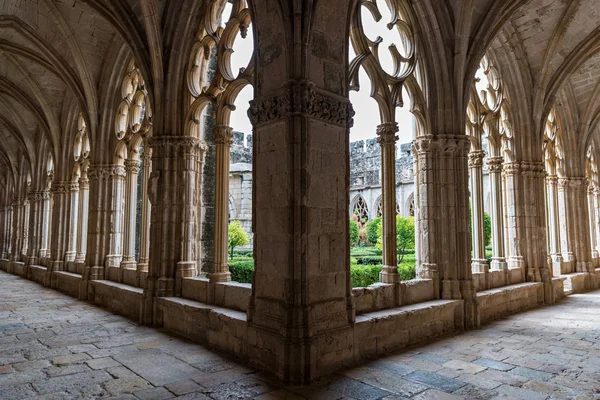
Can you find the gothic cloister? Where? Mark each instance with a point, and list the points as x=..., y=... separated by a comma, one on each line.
x=120, y=170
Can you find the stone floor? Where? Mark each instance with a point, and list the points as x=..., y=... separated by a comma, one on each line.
x=55, y=347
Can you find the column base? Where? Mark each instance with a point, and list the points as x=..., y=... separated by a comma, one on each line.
x=389, y=274
x=499, y=264
x=430, y=271
x=451, y=289
x=80, y=258
x=70, y=256
x=479, y=266
x=219, y=276
x=33, y=260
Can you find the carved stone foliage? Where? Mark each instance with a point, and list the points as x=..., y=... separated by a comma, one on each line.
x=476, y=159
x=103, y=172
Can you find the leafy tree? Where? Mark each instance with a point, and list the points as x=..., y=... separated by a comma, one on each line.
x=236, y=236
x=405, y=235
x=487, y=228
x=353, y=233
x=372, y=227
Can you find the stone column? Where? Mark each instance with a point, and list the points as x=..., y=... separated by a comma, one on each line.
x=132, y=169
x=223, y=140
x=26, y=217
x=82, y=229
x=3, y=231
x=301, y=305
x=35, y=202
x=17, y=231
x=9, y=230
x=61, y=199
x=566, y=234
x=597, y=222
x=579, y=209
x=512, y=181
x=73, y=222
x=479, y=262
x=146, y=210
x=497, y=210
x=444, y=251
x=45, y=224
x=386, y=137
x=116, y=220
x=173, y=192
x=592, y=219
x=553, y=224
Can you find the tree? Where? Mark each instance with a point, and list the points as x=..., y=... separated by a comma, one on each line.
x=236, y=236
x=487, y=228
x=405, y=235
x=353, y=233
x=372, y=228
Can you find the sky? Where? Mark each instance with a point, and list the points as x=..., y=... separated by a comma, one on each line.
x=367, y=112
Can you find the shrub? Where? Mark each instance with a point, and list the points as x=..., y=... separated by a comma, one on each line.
x=241, y=271
x=407, y=271
x=487, y=228
x=405, y=235
x=369, y=260
x=364, y=251
x=372, y=230
x=236, y=236
x=364, y=275
x=353, y=233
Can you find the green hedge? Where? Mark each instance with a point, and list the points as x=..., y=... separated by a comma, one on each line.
x=364, y=275
x=364, y=251
x=241, y=271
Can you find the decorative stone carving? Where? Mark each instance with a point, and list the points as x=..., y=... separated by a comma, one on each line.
x=386, y=133
x=103, y=172
x=476, y=159
x=265, y=110
x=223, y=135
x=495, y=164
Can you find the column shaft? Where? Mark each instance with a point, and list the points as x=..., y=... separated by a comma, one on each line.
x=146, y=211
x=73, y=222
x=592, y=219
x=386, y=136
x=132, y=168
x=497, y=210
x=478, y=263
x=82, y=229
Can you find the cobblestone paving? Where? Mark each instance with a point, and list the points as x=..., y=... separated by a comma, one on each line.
x=55, y=347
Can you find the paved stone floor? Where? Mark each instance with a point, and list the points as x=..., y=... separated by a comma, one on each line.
x=55, y=347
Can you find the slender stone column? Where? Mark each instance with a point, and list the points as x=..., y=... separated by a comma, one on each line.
x=592, y=219
x=443, y=219
x=553, y=224
x=35, y=201
x=174, y=195
x=146, y=211
x=73, y=222
x=478, y=263
x=512, y=180
x=386, y=136
x=17, y=232
x=597, y=222
x=132, y=169
x=115, y=216
x=579, y=208
x=223, y=140
x=3, y=231
x=566, y=234
x=9, y=230
x=45, y=224
x=497, y=209
x=25, y=241
x=82, y=229
x=60, y=224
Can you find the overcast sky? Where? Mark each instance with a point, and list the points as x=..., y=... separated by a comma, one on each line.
x=367, y=112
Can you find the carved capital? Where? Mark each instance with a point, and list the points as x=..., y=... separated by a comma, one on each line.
x=386, y=133
x=563, y=183
x=84, y=183
x=476, y=159
x=511, y=169
x=552, y=180
x=177, y=142
x=301, y=97
x=495, y=164
x=103, y=172
x=223, y=135
x=73, y=187
x=60, y=187
x=132, y=166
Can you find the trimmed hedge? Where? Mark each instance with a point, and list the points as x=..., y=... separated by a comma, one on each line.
x=364, y=275
x=241, y=270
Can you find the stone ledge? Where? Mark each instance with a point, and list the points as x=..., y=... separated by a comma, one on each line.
x=578, y=282
x=120, y=298
x=67, y=282
x=233, y=295
x=37, y=273
x=499, y=302
x=381, y=296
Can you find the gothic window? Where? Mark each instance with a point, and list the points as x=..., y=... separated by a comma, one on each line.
x=397, y=209
x=379, y=208
x=411, y=207
x=361, y=210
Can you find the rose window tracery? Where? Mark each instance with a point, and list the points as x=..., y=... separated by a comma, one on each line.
x=133, y=115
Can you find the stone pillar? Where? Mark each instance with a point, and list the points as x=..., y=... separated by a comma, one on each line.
x=497, y=209
x=592, y=219
x=73, y=222
x=132, y=169
x=61, y=199
x=35, y=203
x=17, y=231
x=146, y=210
x=45, y=224
x=512, y=181
x=479, y=262
x=223, y=140
x=26, y=217
x=116, y=218
x=553, y=223
x=386, y=137
x=9, y=230
x=580, y=221
x=174, y=195
x=301, y=307
x=566, y=234
x=444, y=251
x=3, y=231
x=82, y=228
x=597, y=222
